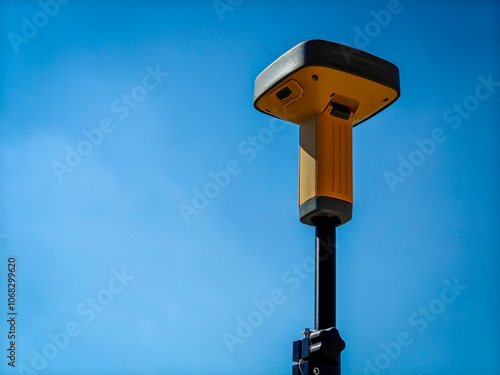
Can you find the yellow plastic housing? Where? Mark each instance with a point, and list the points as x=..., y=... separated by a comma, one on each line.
x=325, y=158
x=314, y=87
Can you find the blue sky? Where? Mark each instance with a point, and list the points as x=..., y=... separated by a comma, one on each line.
x=110, y=270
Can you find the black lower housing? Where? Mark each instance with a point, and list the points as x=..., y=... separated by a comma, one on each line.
x=325, y=207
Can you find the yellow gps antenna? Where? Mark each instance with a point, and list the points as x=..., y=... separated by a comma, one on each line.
x=326, y=88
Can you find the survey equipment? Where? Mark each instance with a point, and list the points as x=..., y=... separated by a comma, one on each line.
x=326, y=88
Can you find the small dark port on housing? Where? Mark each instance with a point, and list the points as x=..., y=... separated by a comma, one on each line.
x=340, y=111
x=284, y=93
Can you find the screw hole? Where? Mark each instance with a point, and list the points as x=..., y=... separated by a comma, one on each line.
x=267, y=110
x=314, y=77
x=386, y=99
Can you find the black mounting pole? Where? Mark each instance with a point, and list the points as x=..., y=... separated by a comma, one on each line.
x=319, y=351
x=325, y=285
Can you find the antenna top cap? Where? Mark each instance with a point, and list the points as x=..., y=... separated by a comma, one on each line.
x=301, y=83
